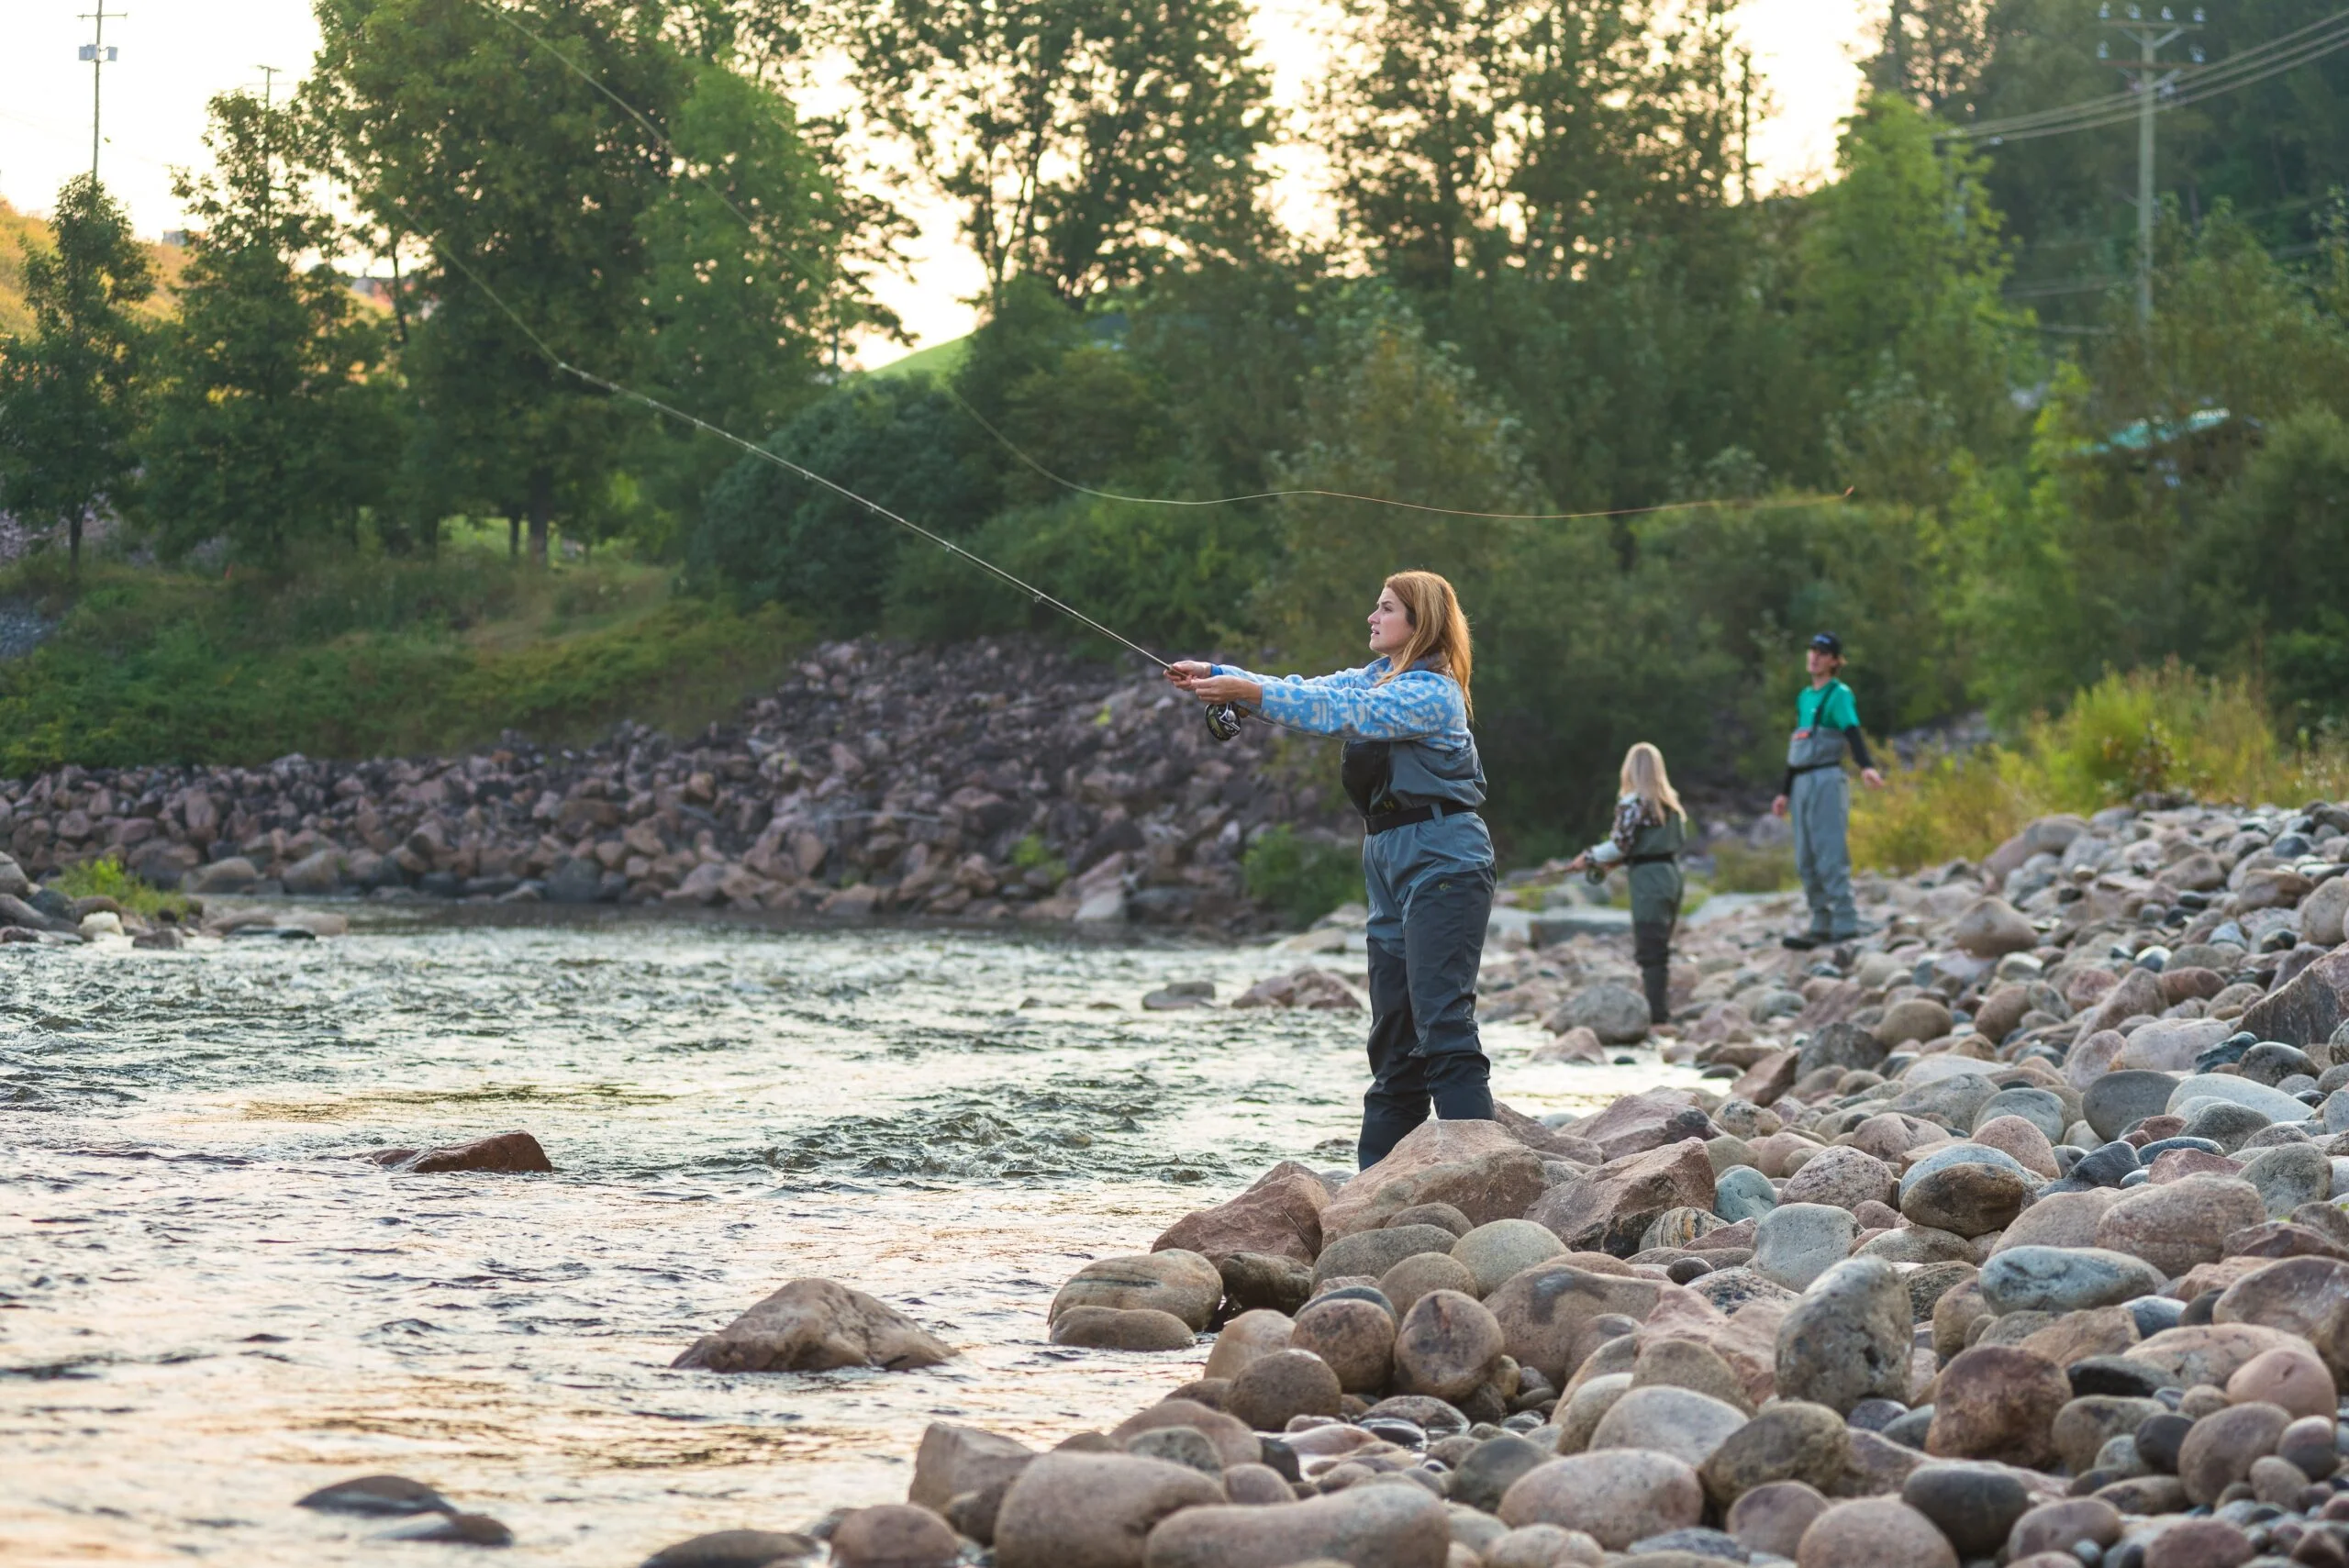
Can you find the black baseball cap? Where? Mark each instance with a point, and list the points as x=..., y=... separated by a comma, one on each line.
x=1827, y=642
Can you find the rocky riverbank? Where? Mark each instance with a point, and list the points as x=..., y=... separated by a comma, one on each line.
x=2017, y=1230
x=996, y=781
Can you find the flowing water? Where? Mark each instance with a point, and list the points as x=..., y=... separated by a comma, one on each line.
x=207, y=1307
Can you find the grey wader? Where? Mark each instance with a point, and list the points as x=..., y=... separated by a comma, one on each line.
x=1654, y=866
x=1427, y=869
x=1820, y=805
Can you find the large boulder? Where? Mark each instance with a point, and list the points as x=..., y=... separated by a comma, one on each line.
x=315, y=874
x=2178, y=1224
x=1279, y=1217
x=1848, y=1338
x=814, y=1325
x=1093, y=1510
x=1617, y=1495
x=233, y=875
x=1998, y=1402
x=2305, y=1296
x=1544, y=1312
x=1790, y=1440
x=1614, y=1012
x=2064, y=1279
x=1476, y=1166
x=1845, y=1045
x=1448, y=1346
x=515, y=1151
x=1650, y=1119
x=1390, y=1527
x=2324, y=914
x=1681, y=1422
x=2307, y=1011
x=1992, y=928
x=2138, y=993
x=1609, y=1209
x=1182, y=1283
x=954, y=1459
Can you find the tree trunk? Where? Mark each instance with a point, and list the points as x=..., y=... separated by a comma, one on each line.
x=513, y=533
x=74, y=545
x=542, y=506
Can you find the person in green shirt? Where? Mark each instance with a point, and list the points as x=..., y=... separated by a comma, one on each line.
x=1826, y=721
x=1651, y=827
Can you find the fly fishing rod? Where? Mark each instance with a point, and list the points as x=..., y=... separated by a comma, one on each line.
x=1222, y=718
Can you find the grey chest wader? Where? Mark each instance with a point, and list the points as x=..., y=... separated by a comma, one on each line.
x=1820, y=806
x=1653, y=865
x=1428, y=874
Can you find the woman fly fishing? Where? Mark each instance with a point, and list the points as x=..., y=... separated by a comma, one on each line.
x=1410, y=768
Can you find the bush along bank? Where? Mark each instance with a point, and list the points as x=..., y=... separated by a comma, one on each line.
x=2021, y=1234
x=997, y=779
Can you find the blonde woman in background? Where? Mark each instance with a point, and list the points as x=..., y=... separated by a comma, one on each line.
x=1651, y=828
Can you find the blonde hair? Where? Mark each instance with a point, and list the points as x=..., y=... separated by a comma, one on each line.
x=1644, y=775
x=1438, y=628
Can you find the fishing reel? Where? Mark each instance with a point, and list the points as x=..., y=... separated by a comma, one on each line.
x=1223, y=721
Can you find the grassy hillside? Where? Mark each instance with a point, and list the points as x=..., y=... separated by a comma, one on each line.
x=21, y=231
x=368, y=657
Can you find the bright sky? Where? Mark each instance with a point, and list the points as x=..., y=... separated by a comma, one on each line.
x=176, y=55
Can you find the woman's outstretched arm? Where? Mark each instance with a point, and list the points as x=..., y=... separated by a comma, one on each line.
x=1415, y=704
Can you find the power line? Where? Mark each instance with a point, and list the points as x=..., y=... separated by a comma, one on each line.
x=2301, y=47
x=1015, y=450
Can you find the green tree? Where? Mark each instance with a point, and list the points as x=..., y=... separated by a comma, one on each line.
x=68, y=390
x=530, y=188
x=756, y=253
x=1389, y=415
x=2276, y=567
x=273, y=421
x=1529, y=135
x=1902, y=266
x=1090, y=142
x=766, y=534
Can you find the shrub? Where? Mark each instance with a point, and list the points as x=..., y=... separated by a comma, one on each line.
x=1302, y=878
x=1948, y=808
x=1742, y=868
x=105, y=878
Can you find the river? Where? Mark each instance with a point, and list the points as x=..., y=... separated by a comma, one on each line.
x=207, y=1307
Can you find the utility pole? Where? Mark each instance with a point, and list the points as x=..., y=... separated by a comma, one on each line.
x=2149, y=35
x=100, y=55
x=269, y=74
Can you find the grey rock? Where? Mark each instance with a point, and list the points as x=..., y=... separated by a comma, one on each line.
x=2288, y=1176
x=2064, y=1279
x=1797, y=1242
x=1743, y=1193
x=2273, y=1103
x=1615, y=1012
x=2041, y=1107
x=2120, y=1099
x=1371, y=1253
x=1847, y=1340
